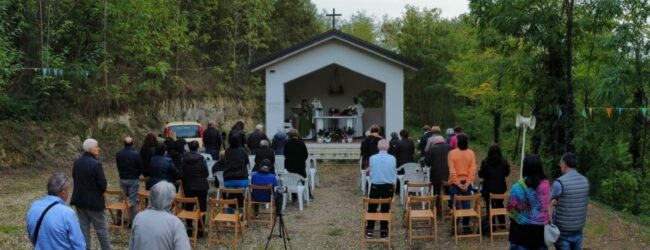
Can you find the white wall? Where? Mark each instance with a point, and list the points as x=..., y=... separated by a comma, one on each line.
x=337, y=52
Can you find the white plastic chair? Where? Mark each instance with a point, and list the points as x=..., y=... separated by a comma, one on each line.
x=251, y=163
x=410, y=168
x=279, y=165
x=412, y=177
x=363, y=179
x=311, y=170
x=295, y=184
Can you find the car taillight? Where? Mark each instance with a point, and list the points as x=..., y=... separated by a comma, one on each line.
x=201, y=131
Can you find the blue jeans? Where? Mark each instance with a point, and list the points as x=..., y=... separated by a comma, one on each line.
x=130, y=188
x=569, y=241
x=214, y=152
x=455, y=190
x=520, y=247
x=233, y=184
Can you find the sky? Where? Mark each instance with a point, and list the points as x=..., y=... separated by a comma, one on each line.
x=394, y=8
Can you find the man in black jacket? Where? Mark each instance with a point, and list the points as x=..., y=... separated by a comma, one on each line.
x=129, y=166
x=195, y=179
x=212, y=141
x=405, y=149
x=369, y=145
x=423, y=139
x=88, y=194
x=436, y=158
x=255, y=138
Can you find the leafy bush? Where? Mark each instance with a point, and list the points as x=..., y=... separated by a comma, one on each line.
x=619, y=190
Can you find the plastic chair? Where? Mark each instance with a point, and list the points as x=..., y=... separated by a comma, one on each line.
x=416, y=177
x=143, y=200
x=251, y=163
x=116, y=206
x=251, y=202
x=362, y=177
x=410, y=168
x=427, y=213
x=279, y=165
x=377, y=217
x=420, y=189
x=311, y=170
x=493, y=212
x=224, y=221
x=474, y=211
x=295, y=184
x=194, y=215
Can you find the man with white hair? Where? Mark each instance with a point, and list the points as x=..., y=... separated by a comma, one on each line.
x=255, y=138
x=50, y=223
x=383, y=174
x=88, y=194
x=156, y=227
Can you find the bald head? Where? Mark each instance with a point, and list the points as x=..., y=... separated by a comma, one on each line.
x=383, y=145
x=128, y=141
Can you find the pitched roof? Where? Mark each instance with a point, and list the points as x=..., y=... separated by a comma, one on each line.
x=329, y=35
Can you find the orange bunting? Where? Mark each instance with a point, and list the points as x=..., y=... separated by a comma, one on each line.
x=609, y=112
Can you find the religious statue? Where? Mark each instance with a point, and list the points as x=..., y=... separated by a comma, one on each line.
x=304, y=118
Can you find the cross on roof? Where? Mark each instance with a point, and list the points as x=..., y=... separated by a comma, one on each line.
x=333, y=15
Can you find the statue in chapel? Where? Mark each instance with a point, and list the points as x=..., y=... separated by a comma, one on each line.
x=304, y=119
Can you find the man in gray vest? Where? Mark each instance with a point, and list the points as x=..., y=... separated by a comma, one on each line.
x=570, y=196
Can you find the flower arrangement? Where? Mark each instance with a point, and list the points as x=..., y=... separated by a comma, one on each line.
x=349, y=131
x=317, y=104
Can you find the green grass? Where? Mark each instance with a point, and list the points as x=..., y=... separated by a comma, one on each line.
x=10, y=229
x=335, y=232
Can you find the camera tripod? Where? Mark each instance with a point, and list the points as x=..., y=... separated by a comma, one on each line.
x=281, y=228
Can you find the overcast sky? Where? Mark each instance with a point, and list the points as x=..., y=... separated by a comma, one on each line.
x=394, y=8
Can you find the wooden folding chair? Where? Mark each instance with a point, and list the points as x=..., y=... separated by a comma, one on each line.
x=444, y=201
x=181, y=192
x=143, y=183
x=494, y=212
x=194, y=215
x=230, y=193
x=377, y=217
x=221, y=221
x=419, y=188
x=251, y=202
x=427, y=213
x=474, y=211
x=143, y=200
x=118, y=205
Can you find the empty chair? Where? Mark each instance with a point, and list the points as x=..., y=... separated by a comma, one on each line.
x=421, y=209
x=410, y=168
x=377, y=217
x=494, y=212
x=363, y=178
x=267, y=192
x=279, y=165
x=311, y=171
x=416, y=177
x=195, y=215
x=418, y=189
x=118, y=209
x=222, y=220
x=251, y=163
x=474, y=211
x=295, y=183
x=238, y=194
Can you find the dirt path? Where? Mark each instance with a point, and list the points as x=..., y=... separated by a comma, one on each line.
x=331, y=222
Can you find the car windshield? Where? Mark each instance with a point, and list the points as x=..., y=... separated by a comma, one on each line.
x=186, y=131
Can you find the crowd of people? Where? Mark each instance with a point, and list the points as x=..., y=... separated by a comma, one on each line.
x=163, y=164
x=453, y=168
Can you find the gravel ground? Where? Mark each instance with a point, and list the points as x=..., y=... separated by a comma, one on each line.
x=331, y=222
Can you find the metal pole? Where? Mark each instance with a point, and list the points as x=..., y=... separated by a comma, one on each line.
x=523, y=148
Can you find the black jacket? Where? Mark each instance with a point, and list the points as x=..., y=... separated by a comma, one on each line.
x=145, y=159
x=234, y=163
x=129, y=164
x=369, y=146
x=264, y=153
x=195, y=172
x=423, y=141
x=295, y=155
x=494, y=173
x=212, y=139
x=240, y=135
x=161, y=168
x=436, y=158
x=89, y=183
x=254, y=140
x=405, y=151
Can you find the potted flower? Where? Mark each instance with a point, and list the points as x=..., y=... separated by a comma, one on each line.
x=318, y=107
x=320, y=135
x=349, y=131
x=334, y=135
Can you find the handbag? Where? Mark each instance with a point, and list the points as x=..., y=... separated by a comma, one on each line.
x=551, y=232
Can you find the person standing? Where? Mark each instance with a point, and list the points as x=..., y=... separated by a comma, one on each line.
x=255, y=137
x=129, y=166
x=383, y=176
x=392, y=144
x=358, y=109
x=570, y=196
x=435, y=130
x=264, y=153
x=494, y=170
x=528, y=206
x=453, y=141
x=161, y=168
x=195, y=179
x=237, y=132
x=88, y=194
x=279, y=140
x=50, y=223
x=156, y=227
x=212, y=141
x=405, y=149
x=147, y=151
x=462, y=169
x=295, y=155
x=436, y=158
x=424, y=138
x=304, y=118
x=369, y=145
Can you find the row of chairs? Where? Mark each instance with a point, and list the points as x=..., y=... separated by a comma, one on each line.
x=421, y=207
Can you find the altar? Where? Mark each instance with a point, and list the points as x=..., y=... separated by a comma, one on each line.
x=340, y=122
